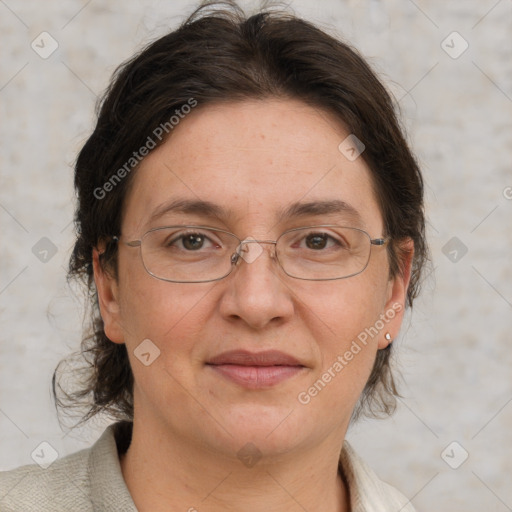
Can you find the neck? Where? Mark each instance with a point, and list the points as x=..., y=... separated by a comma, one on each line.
x=162, y=471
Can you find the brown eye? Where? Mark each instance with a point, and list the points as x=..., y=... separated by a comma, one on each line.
x=187, y=241
x=317, y=241
x=193, y=242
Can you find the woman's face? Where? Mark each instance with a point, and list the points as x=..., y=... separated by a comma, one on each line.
x=253, y=160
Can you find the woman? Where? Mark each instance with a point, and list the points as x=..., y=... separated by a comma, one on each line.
x=250, y=227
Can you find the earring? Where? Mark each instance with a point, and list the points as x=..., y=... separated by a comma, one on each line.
x=388, y=337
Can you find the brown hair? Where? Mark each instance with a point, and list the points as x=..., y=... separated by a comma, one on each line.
x=218, y=55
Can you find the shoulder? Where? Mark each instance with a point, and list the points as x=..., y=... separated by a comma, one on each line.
x=87, y=480
x=368, y=493
x=62, y=486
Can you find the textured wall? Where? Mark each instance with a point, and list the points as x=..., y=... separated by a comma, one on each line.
x=455, y=353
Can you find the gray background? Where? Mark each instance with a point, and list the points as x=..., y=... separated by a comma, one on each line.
x=455, y=352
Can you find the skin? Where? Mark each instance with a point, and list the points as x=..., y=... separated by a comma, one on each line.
x=255, y=157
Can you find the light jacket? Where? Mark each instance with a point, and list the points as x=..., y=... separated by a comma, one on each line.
x=91, y=480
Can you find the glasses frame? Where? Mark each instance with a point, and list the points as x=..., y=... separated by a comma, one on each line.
x=236, y=256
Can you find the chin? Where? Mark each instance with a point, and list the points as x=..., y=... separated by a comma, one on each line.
x=272, y=430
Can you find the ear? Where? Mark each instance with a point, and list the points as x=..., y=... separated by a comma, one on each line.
x=108, y=293
x=394, y=309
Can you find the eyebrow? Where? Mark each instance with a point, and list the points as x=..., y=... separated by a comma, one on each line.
x=295, y=210
x=329, y=207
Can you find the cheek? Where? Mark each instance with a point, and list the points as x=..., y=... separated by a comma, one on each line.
x=342, y=320
x=171, y=318
x=161, y=311
x=342, y=309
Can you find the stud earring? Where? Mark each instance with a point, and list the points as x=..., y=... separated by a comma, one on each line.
x=388, y=336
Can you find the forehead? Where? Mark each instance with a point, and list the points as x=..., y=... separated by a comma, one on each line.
x=255, y=163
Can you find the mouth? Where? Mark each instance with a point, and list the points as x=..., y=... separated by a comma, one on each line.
x=255, y=370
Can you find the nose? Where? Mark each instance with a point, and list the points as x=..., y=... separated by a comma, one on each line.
x=256, y=292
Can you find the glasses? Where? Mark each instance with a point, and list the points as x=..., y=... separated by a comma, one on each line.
x=199, y=254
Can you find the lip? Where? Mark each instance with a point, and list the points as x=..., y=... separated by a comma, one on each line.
x=255, y=370
x=246, y=358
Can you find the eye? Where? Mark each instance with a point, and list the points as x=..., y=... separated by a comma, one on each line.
x=316, y=241
x=321, y=240
x=193, y=241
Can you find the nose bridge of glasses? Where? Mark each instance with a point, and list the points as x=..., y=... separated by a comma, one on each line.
x=250, y=249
